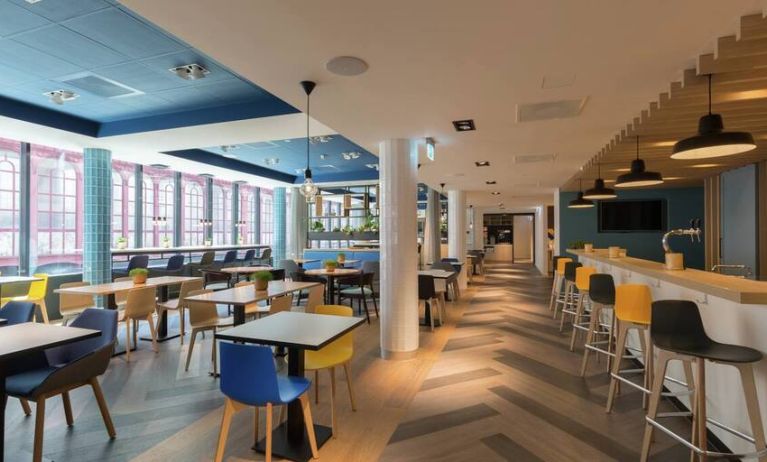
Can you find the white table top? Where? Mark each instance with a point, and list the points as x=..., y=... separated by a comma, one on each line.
x=245, y=295
x=439, y=274
x=122, y=286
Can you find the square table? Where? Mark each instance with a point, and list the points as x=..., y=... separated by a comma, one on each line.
x=331, y=276
x=297, y=332
x=236, y=271
x=302, y=261
x=15, y=280
x=21, y=339
x=238, y=297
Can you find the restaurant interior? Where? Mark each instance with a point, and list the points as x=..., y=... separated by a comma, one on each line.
x=529, y=231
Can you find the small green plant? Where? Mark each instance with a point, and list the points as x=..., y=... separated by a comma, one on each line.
x=138, y=272
x=341, y=255
x=330, y=264
x=262, y=276
x=577, y=245
x=122, y=240
x=347, y=230
x=336, y=229
x=318, y=227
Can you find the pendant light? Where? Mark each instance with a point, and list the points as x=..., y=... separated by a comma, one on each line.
x=580, y=202
x=599, y=191
x=638, y=176
x=308, y=189
x=712, y=140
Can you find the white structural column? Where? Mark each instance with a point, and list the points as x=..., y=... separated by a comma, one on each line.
x=431, y=234
x=299, y=216
x=398, y=162
x=456, y=230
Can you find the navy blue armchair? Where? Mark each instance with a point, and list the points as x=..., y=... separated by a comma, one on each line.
x=16, y=312
x=68, y=367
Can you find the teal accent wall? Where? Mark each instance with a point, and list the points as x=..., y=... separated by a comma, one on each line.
x=280, y=225
x=97, y=255
x=682, y=205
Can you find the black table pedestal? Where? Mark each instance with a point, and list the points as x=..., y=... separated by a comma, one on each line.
x=162, y=322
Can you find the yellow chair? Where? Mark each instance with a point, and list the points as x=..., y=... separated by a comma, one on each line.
x=71, y=305
x=338, y=353
x=582, y=275
x=140, y=305
x=204, y=317
x=179, y=304
x=36, y=295
x=559, y=277
x=122, y=297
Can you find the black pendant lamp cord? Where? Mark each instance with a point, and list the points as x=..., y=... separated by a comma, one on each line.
x=709, y=93
x=637, y=147
x=308, y=99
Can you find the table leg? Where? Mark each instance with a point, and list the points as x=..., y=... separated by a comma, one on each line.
x=162, y=323
x=331, y=290
x=289, y=439
x=239, y=314
x=3, y=400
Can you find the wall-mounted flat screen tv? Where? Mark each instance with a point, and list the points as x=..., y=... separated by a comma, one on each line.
x=632, y=216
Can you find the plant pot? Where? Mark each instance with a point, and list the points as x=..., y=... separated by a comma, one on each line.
x=262, y=284
x=166, y=244
x=139, y=279
x=330, y=269
x=122, y=245
x=341, y=260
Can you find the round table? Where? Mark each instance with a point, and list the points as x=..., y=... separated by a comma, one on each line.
x=331, y=276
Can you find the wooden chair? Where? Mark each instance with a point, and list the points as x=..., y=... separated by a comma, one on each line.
x=140, y=305
x=122, y=296
x=204, y=317
x=315, y=298
x=178, y=303
x=71, y=305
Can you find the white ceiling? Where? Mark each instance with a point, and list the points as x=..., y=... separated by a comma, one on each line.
x=434, y=61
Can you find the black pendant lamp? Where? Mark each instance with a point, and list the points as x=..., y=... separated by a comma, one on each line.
x=712, y=140
x=580, y=202
x=599, y=191
x=638, y=176
x=308, y=189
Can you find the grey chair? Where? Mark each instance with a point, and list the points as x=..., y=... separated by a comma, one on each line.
x=289, y=266
x=174, y=267
x=265, y=258
x=206, y=261
x=135, y=262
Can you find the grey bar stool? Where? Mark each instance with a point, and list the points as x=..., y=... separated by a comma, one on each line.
x=602, y=294
x=677, y=332
x=570, y=298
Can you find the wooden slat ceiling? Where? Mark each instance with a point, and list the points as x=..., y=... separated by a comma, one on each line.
x=739, y=69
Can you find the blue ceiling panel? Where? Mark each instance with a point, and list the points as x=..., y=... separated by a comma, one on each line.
x=15, y=19
x=70, y=46
x=11, y=76
x=34, y=62
x=140, y=76
x=61, y=10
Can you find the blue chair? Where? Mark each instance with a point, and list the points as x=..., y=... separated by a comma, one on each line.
x=136, y=261
x=66, y=368
x=230, y=257
x=249, y=378
x=250, y=255
x=174, y=267
x=16, y=312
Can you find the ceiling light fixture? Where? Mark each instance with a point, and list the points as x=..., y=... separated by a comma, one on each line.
x=321, y=138
x=490, y=182
x=464, y=125
x=351, y=155
x=580, y=202
x=308, y=189
x=712, y=140
x=482, y=163
x=271, y=161
x=599, y=191
x=190, y=71
x=61, y=96
x=638, y=176
x=347, y=66
x=496, y=193
x=373, y=166
x=229, y=147
x=705, y=165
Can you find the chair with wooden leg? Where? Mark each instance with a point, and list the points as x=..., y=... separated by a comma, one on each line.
x=577, y=310
x=204, y=317
x=599, y=335
x=180, y=303
x=122, y=296
x=337, y=354
x=36, y=295
x=315, y=298
x=428, y=295
x=71, y=305
x=678, y=334
x=570, y=297
x=249, y=378
x=140, y=305
x=557, y=286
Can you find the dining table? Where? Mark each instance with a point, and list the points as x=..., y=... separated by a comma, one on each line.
x=302, y=261
x=5, y=280
x=110, y=289
x=19, y=340
x=297, y=332
x=236, y=271
x=239, y=297
x=436, y=274
x=331, y=276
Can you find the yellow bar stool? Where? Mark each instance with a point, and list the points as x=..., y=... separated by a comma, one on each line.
x=633, y=311
x=599, y=336
x=557, y=291
x=575, y=311
x=569, y=299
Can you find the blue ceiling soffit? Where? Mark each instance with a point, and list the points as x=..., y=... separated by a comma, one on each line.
x=198, y=155
x=118, y=65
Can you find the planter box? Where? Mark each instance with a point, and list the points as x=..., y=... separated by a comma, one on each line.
x=339, y=236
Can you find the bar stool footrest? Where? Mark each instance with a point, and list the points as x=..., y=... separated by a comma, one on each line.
x=705, y=452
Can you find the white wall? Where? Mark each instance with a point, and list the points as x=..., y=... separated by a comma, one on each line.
x=541, y=237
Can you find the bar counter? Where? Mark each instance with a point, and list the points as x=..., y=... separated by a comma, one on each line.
x=734, y=310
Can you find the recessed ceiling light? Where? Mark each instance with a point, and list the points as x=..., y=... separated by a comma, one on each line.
x=351, y=155
x=323, y=156
x=190, y=71
x=32, y=2
x=490, y=182
x=496, y=193
x=373, y=166
x=229, y=147
x=272, y=161
x=663, y=144
x=464, y=125
x=157, y=166
x=207, y=175
x=705, y=165
x=348, y=66
x=320, y=139
x=61, y=96
x=482, y=163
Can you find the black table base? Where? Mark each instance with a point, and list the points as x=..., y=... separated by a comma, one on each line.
x=291, y=448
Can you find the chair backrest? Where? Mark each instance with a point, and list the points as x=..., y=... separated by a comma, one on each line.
x=582, y=275
x=677, y=325
x=426, y=287
x=444, y=266
x=199, y=312
x=366, y=280
x=282, y=303
x=92, y=318
x=140, y=302
x=187, y=287
x=278, y=274
x=633, y=303
x=372, y=266
x=230, y=256
x=208, y=258
x=175, y=263
x=570, y=268
x=289, y=266
x=450, y=260
x=16, y=312
x=316, y=294
x=250, y=254
x=248, y=374
x=38, y=289
x=211, y=276
x=123, y=294
x=347, y=340
x=602, y=288
x=138, y=261
x=74, y=302
x=267, y=253
x=561, y=262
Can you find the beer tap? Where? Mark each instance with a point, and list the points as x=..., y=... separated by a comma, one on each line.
x=693, y=231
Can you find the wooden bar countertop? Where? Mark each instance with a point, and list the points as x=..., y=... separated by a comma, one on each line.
x=738, y=290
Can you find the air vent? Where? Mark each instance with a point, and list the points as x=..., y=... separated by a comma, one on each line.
x=482, y=163
x=100, y=86
x=263, y=145
x=562, y=109
x=533, y=158
x=464, y=125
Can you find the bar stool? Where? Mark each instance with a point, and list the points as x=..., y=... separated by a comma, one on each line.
x=576, y=309
x=602, y=295
x=570, y=296
x=559, y=274
x=678, y=334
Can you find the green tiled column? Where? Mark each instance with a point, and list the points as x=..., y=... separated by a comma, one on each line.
x=280, y=225
x=97, y=222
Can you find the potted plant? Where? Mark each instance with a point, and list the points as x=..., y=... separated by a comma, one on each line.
x=122, y=242
x=330, y=265
x=348, y=230
x=341, y=258
x=240, y=240
x=262, y=279
x=139, y=275
x=166, y=242
x=318, y=227
x=337, y=229
x=208, y=242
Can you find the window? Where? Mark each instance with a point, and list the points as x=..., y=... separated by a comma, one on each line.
x=194, y=210
x=267, y=217
x=131, y=212
x=148, y=214
x=9, y=205
x=247, y=228
x=165, y=201
x=222, y=214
